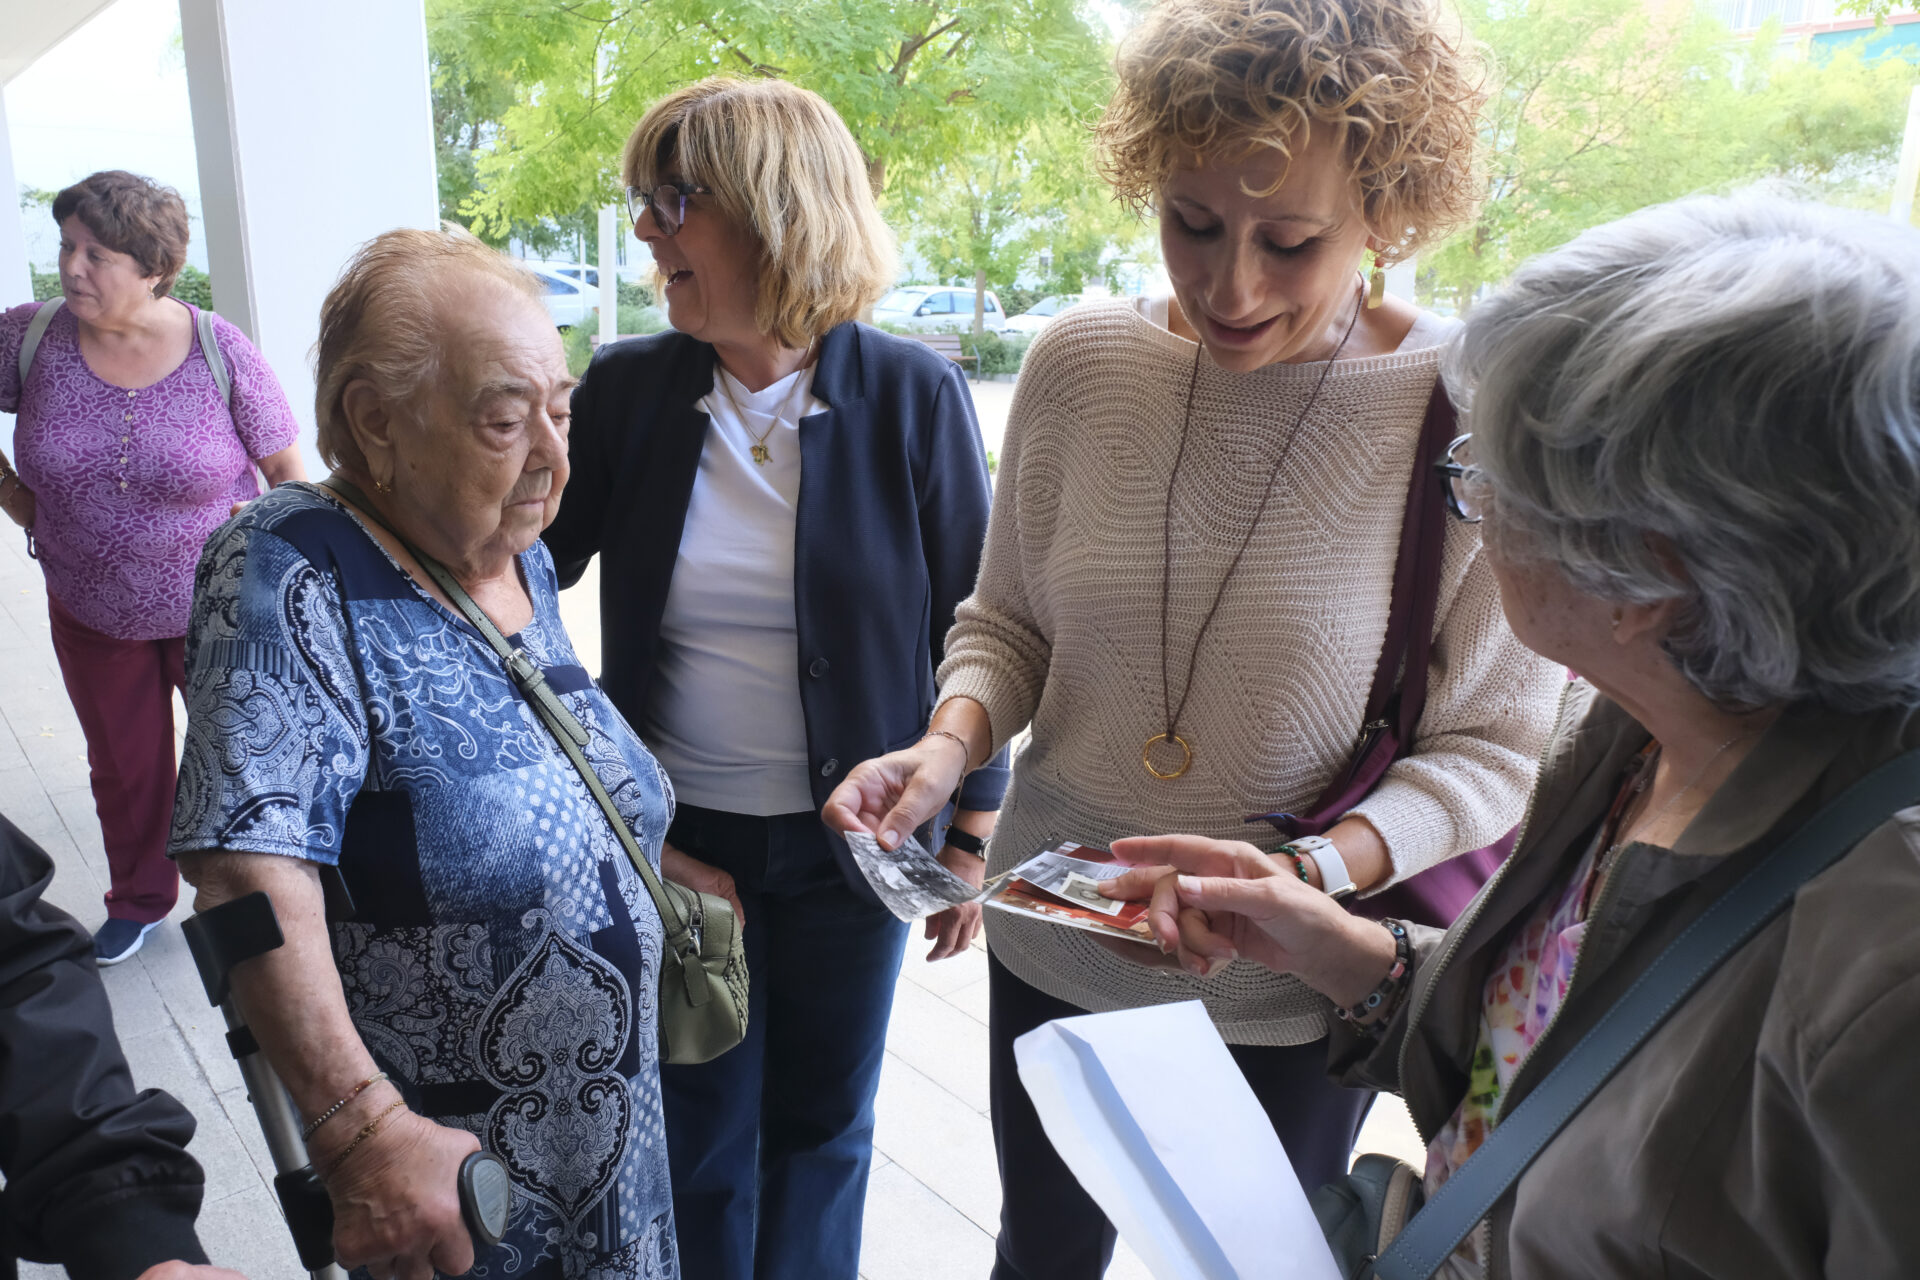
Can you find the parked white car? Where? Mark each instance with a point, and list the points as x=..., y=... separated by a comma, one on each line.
x=589, y=276
x=569, y=301
x=932, y=308
x=1041, y=313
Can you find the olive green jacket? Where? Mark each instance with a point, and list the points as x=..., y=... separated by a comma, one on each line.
x=1771, y=1126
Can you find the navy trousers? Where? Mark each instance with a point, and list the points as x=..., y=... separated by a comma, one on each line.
x=1052, y=1230
x=770, y=1143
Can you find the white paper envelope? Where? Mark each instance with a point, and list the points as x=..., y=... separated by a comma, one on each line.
x=1151, y=1113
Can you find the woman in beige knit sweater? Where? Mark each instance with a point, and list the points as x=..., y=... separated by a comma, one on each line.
x=1189, y=564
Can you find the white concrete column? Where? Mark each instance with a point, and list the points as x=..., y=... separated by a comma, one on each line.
x=609, y=258
x=313, y=127
x=16, y=285
x=1908, y=178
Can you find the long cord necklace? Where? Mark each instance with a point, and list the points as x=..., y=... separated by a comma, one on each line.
x=1170, y=736
x=761, y=453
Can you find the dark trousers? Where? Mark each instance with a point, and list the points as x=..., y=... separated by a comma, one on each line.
x=1052, y=1230
x=770, y=1143
x=122, y=691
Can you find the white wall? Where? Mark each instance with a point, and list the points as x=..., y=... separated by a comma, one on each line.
x=15, y=284
x=313, y=129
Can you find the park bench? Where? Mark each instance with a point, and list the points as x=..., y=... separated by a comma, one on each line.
x=948, y=345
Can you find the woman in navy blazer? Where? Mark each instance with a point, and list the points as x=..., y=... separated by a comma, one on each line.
x=788, y=506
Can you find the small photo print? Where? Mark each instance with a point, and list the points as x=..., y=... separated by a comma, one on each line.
x=1086, y=892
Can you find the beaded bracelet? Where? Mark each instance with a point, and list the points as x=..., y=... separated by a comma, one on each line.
x=334, y=1110
x=1391, y=987
x=367, y=1131
x=1299, y=862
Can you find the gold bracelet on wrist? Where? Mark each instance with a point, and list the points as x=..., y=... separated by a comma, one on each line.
x=966, y=752
x=367, y=1131
x=334, y=1110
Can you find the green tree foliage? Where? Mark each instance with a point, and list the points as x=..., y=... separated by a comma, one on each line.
x=1607, y=106
x=986, y=213
x=918, y=82
x=195, y=286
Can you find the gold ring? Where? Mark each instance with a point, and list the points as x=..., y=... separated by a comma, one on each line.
x=1186, y=762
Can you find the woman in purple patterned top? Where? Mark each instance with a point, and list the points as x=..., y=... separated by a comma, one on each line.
x=128, y=459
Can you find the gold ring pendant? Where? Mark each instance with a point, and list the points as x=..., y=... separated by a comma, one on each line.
x=1186, y=755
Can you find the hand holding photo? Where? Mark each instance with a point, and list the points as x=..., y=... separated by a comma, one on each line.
x=1062, y=887
x=910, y=882
x=1086, y=892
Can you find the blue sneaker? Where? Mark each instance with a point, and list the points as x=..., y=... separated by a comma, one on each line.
x=119, y=939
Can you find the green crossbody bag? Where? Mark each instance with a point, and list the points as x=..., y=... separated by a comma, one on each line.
x=703, y=967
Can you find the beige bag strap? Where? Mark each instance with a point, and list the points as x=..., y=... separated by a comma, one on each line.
x=36, y=330
x=210, y=352
x=202, y=323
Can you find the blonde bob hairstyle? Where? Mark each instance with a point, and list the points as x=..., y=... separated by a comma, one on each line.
x=381, y=323
x=780, y=163
x=1220, y=81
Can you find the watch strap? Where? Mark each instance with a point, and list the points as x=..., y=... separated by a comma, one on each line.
x=1335, y=879
x=966, y=842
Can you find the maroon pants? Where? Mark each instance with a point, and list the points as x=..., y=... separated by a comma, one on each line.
x=122, y=691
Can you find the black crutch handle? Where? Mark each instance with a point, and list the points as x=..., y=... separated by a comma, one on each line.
x=228, y=934
x=486, y=1199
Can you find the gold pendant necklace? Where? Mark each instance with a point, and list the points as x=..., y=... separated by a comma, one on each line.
x=760, y=454
x=1161, y=745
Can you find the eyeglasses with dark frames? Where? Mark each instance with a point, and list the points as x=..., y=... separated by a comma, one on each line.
x=1457, y=470
x=668, y=201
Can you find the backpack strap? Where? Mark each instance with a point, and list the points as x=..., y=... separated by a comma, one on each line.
x=202, y=323
x=210, y=352
x=1726, y=926
x=36, y=330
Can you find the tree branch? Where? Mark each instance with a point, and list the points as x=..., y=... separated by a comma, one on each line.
x=909, y=48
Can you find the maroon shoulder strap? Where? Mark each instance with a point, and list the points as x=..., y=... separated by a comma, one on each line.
x=1396, y=701
x=1416, y=578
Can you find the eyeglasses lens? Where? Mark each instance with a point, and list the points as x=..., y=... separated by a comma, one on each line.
x=667, y=205
x=1463, y=493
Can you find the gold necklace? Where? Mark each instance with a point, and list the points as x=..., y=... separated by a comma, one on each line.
x=1170, y=736
x=761, y=454
x=1649, y=822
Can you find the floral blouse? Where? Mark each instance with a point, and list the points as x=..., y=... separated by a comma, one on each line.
x=1522, y=995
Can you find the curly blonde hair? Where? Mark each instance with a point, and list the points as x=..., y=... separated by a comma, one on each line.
x=1218, y=81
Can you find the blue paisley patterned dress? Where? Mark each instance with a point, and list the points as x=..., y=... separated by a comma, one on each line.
x=502, y=955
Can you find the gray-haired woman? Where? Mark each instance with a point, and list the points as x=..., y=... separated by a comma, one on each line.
x=1697, y=449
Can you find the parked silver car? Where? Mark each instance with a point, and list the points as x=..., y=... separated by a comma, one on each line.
x=1041, y=313
x=569, y=301
x=932, y=308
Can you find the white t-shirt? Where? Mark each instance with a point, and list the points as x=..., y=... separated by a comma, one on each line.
x=724, y=712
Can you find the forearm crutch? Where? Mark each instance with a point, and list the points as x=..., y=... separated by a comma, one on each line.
x=238, y=931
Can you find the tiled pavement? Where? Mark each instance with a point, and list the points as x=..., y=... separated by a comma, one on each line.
x=934, y=1198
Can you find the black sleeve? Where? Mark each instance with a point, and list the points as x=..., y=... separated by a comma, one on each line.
x=955, y=498
x=575, y=534
x=98, y=1175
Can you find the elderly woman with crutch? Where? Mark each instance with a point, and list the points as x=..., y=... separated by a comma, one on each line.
x=494, y=979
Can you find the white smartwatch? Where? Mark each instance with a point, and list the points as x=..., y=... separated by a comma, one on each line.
x=1333, y=868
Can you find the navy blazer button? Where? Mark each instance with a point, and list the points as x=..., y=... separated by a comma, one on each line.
x=830, y=768
x=818, y=667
